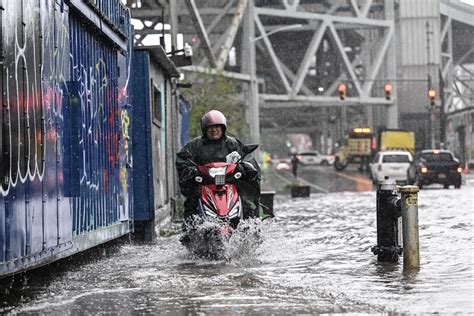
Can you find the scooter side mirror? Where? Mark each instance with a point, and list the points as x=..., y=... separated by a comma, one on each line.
x=249, y=148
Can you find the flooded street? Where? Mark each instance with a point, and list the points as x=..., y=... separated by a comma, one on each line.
x=121, y=118
x=315, y=258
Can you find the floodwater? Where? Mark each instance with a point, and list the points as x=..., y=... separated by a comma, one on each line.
x=314, y=258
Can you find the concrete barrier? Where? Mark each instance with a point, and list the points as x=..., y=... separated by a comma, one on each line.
x=266, y=199
x=300, y=191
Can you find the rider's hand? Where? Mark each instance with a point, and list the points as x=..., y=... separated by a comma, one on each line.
x=233, y=157
x=194, y=171
x=189, y=173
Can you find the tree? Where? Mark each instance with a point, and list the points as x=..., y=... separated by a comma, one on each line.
x=215, y=92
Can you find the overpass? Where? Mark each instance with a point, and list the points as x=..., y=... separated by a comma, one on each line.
x=292, y=54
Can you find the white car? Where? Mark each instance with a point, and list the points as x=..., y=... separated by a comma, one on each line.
x=315, y=158
x=282, y=165
x=393, y=164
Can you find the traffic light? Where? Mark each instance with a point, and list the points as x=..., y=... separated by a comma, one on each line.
x=432, y=96
x=388, y=91
x=342, y=91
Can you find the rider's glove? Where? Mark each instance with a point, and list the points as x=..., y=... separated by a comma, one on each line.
x=233, y=157
x=189, y=174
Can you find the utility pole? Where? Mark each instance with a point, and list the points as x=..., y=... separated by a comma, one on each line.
x=442, y=114
x=344, y=125
x=430, y=107
x=392, y=111
x=174, y=25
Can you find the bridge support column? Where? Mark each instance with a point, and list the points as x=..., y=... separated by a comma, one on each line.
x=253, y=111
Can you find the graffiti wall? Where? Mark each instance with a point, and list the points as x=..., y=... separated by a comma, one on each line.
x=64, y=127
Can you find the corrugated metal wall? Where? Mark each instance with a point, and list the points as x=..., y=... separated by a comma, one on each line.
x=419, y=44
x=94, y=65
x=419, y=38
x=418, y=58
x=35, y=54
x=65, y=128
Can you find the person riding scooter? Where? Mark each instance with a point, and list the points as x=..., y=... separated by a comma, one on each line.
x=215, y=146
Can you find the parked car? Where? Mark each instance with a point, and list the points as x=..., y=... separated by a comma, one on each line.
x=282, y=165
x=435, y=166
x=315, y=158
x=391, y=163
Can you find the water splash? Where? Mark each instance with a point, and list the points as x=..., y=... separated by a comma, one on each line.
x=246, y=240
x=238, y=246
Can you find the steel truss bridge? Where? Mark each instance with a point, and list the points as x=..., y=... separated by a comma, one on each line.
x=292, y=54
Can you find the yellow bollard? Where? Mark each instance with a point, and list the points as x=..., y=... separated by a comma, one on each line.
x=411, y=242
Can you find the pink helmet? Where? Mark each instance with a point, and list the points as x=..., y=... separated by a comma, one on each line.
x=213, y=117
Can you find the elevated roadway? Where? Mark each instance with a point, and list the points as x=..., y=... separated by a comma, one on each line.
x=298, y=51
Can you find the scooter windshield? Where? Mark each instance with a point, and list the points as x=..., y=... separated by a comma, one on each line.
x=215, y=171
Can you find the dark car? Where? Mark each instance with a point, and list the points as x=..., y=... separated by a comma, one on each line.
x=435, y=166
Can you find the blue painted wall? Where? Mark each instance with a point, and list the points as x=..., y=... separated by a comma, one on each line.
x=142, y=147
x=65, y=136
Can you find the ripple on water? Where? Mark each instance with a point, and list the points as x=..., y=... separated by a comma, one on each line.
x=313, y=258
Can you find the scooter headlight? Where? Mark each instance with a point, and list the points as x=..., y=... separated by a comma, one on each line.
x=198, y=179
x=238, y=175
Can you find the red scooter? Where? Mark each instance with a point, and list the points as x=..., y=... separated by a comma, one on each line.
x=220, y=207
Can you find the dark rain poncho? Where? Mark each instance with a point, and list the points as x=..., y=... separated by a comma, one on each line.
x=204, y=151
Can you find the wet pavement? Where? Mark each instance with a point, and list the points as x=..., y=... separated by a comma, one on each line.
x=314, y=258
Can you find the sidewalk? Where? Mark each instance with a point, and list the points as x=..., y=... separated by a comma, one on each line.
x=280, y=183
x=270, y=181
x=468, y=178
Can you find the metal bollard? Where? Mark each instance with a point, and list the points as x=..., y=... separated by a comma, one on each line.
x=411, y=242
x=388, y=211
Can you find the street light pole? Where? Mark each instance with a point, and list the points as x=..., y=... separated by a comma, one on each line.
x=431, y=108
x=392, y=111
